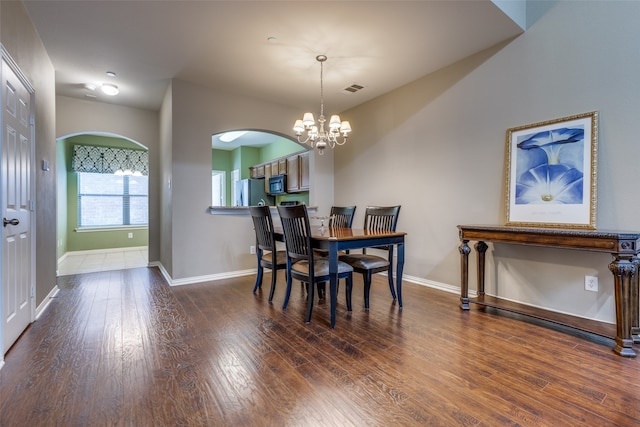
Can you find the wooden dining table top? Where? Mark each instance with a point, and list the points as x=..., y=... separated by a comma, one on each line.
x=339, y=233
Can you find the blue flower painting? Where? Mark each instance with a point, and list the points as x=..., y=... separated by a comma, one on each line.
x=549, y=167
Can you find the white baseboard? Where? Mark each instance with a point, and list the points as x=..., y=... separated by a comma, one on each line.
x=200, y=279
x=432, y=284
x=46, y=301
x=231, y=274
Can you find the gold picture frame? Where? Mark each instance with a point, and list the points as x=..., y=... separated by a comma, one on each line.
x=551, y=173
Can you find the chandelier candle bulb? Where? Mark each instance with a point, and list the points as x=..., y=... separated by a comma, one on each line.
x=298, y=127
x=345, y=127
x=308, y=119
x=334, y=123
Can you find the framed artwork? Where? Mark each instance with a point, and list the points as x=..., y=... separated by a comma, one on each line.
x=551, y=173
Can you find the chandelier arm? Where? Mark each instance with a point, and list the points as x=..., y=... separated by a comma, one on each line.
x=304, y=141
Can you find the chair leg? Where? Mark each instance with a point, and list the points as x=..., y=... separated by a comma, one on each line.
x=273, y=283
x=258, y=280
x=310, y=302
x=367, y=287
x=321, y=286
x=392, y=288
x=288, y=293
x=348, y=290
x=391, y=285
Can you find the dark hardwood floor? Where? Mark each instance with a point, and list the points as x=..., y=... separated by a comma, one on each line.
x=122, y=348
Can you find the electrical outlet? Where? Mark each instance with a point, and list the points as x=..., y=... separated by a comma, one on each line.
x=252, y=250
x=130, y=235
x=591, y=283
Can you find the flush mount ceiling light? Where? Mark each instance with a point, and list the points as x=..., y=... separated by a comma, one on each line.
x=111, y=74
x=230, y=136
x=320, y=137
x=89, y=86
x=110, y=89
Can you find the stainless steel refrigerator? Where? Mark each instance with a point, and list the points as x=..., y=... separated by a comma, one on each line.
x=251, y=192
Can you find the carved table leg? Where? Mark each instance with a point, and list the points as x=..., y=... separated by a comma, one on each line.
x=464, y=273
x=635, y=303
x=624, y=272
x=481, y=248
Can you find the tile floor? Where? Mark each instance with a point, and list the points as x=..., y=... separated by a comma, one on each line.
x=102, y=260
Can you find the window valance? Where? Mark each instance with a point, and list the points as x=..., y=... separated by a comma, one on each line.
x=88, y=158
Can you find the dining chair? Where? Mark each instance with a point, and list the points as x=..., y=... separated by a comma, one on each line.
x=376, y=218
x=268, y=256
x=342, y=217
x=303, y=265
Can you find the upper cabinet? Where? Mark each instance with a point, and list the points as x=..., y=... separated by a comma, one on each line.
x=282, y=166
x=257, y=171
x=295, y=166
x=271, y=168
x=298, y=172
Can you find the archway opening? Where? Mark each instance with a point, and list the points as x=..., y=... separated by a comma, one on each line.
x=102, y=203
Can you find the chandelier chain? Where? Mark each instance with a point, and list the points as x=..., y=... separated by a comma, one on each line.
x=321, y=86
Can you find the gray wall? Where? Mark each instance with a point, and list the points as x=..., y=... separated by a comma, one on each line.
x=437, y=146
x=201, y=244
x=22, y=42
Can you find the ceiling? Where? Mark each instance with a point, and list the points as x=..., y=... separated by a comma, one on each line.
x=380, y=45
x=252, y=138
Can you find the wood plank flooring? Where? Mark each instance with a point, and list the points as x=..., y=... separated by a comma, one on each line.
x=122, y=348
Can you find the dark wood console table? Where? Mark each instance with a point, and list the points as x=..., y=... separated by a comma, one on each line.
x=623, y=246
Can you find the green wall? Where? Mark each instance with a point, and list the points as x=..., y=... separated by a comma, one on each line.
x=91, y=240
x=221, y=161
x=282, y=148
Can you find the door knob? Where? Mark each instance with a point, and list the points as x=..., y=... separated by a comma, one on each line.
x=14, y=221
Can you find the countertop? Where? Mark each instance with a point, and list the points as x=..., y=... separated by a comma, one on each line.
x=244, y=210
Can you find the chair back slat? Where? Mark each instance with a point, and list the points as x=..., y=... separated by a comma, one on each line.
x=263, y=225
x=342, y=216
x=381, y=218
x=297, y=231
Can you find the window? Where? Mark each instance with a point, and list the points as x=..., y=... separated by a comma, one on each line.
x=107, y=200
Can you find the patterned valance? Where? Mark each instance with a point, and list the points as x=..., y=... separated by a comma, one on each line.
x=87, y=158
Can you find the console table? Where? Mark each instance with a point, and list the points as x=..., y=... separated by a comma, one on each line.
x=623, y=246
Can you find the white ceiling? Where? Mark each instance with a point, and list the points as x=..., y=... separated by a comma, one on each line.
x=380, y=45
x=252, y=138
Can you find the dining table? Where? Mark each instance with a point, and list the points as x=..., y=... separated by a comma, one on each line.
x=336, y=239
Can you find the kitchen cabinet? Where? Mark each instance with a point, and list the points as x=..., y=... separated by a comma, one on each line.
x=267, y=175
x=296, y=167
x=257, y=171
x=282, y=166
x=298, y=172
x=278, y=167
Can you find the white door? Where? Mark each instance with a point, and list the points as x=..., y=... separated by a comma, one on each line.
x=17, y=185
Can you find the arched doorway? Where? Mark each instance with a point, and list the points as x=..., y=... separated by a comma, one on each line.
x=102, y=203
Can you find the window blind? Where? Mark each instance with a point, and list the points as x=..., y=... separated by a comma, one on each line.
x=88, y=158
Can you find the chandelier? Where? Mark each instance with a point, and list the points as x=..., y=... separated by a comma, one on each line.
x=317, y=135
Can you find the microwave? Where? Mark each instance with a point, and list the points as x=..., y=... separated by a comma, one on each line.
x=278, y=185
